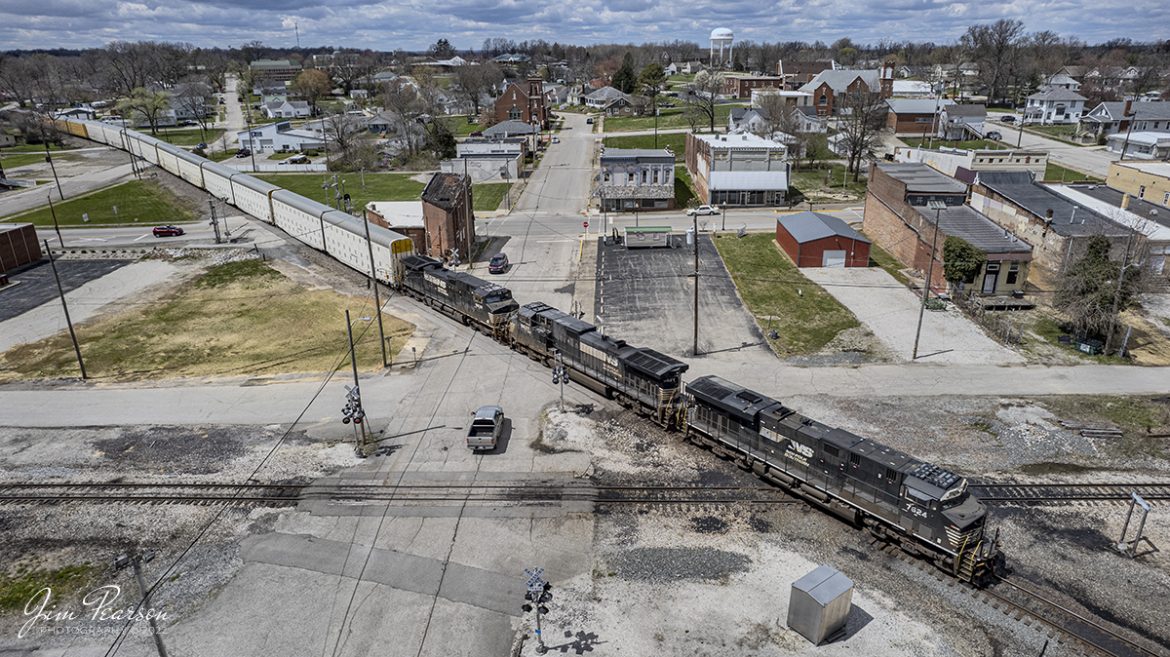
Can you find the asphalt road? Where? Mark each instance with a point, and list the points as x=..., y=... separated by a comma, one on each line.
x=35, y=286
x=1093, y=160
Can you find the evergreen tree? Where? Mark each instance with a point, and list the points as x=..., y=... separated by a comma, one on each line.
x=625, y=79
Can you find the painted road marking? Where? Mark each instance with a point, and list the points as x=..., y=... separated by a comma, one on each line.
x=144, y=236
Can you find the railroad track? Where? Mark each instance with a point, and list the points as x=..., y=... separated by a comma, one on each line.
x=280, y=494
x=1010, y=596
x=993, y=493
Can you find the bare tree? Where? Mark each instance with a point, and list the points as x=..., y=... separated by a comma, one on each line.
x=401, y=100
x=995, y=47
x=861, y=119
x=340, y=132
x=704, y=96
x=190, y=98
x=147, y=104
x=128, y=66
x=476, y=80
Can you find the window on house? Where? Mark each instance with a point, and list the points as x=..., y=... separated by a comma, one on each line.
x=514, y=114
x=1013, y=273
x=1166, y=199
x=645, y=176
x=1142, y=191
x=824, y=100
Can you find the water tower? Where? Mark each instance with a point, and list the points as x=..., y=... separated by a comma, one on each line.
x=721, y=47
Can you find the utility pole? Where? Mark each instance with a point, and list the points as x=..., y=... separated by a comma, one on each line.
x=227, y=233
x=695, y=231
x=251, y=141
x=1125, y=145
x=49, y=159
x=538, y=593
x=65, y=306
x=937, y=206
x=214, y=221
x=353, y=408
x=56, y=227
x=135, y=561
x=377, y=297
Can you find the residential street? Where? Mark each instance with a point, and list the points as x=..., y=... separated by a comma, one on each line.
x=1093, y=160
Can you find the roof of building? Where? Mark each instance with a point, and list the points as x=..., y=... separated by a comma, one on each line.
x=920, y=177
x=1060, y=78
x=912, y=87
x=807, y=226
x=840, y=79
x=1068, y=218
x=744, y=140
x=444, y=189
x=809, y=111
x=1150, y=110
x=1145, y=138
x=274, y=63
x=917, y=105
x=506, y=128
x=1153, y=168
x=607, y=94
x=1056, y=94
x=635, y=153
x=768, y=181
x=399, y=214
x=967, y=110
x=1113, y=198
x=967, y=223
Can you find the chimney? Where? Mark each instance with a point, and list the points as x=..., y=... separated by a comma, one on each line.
x=1048, y=216
x=1125, y=197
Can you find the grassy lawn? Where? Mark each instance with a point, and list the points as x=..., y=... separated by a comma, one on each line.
x=220, y=156
x=487, y=197
x=811, y=185
x=379, y=186
x=1057, y=173
x=676, y=141
x=231, y=320
x=32, y=148
x=973, y=144
x=1000, y=110
x=674, y=117
x=878, y=256
x=459, y=126
x=140, y=201
x=280, y=155
x=684, y=189
x=769, y=284
x=17, y=589
x=21, y=159
x=189, y=136
x=1066, y=133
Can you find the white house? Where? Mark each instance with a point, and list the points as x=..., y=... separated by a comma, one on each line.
x=960, y=121
x=1061, y=81
x=280, y=137
x=1140, y=145
x=606, y=98
x=1054, y=106
x=286, y=109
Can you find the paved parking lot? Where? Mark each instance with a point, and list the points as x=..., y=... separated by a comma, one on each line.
x=644, y=296
x=890, y=310
x=33, y=287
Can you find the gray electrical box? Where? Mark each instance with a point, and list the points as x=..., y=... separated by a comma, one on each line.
x=820, y=604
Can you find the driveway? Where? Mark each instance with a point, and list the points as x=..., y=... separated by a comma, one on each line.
x=890, y=310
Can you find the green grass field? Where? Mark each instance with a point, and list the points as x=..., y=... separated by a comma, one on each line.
x=676, y=141
x=21, y=159
x=189, y=136
x=684, y=189
x=459, y=126
x=32, y=148
x=769, y=283
x=1065, y=133
x=1057, y=173
x=487, y=197
x=811, y=184
x=973, y=144
x=379, y=186
x=138, y=201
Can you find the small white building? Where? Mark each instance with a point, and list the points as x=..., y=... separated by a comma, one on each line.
x=1140, y=145
x=961, y=121
x=606, y=98
x=738, y=170
x=280, y=137
x=286, y=109
x=912, y=89
x=1054, y=106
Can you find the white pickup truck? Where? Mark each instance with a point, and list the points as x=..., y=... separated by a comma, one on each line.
x=487, y=422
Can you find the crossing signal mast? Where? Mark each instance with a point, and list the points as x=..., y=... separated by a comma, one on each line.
x=560, y=376
x=538, y=593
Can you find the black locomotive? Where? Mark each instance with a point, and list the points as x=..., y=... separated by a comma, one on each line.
x=922, y=507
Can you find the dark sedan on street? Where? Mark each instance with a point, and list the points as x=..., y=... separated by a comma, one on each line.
x=167, y=231
x=498, y=264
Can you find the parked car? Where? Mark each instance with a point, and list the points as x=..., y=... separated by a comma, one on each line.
x=243, y=152
x=487, y=423
x=477, y=133
x=298, y=159
x=1008, y=118
x=167, y=231
x=498, y=264
x=994, y=135
x=589, y=120
x=556, y=140
x=703, y=210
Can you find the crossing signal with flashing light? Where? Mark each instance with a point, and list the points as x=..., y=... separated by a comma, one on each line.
x=526, y=608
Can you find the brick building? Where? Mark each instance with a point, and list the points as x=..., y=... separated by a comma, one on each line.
x=828, y=86
x=737, y=170
x=899, y=220
x=18, y=246
x=813, y=239
x=449, y=219
x=1148, y=181
x=740, y=86
x=404, y=217
x=1059, y=229
x=636, y=179
x=914, y=117
x=276, y=70
x=522, y=103
x=797, y=74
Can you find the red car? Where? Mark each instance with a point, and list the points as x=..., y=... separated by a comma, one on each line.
x=167, y=231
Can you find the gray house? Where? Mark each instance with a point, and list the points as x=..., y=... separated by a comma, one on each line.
x=636, y=179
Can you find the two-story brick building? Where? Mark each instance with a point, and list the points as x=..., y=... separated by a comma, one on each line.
x=899, y=219
x=914, y=117
x=448, y=216
x=276, y=70
x=522, y=103
x=741, y=86
x=636, y=179
x=828, y=87
x=738, y=170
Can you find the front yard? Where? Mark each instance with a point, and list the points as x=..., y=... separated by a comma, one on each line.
x=137, y=201
x=675, y=141
x=825, y=185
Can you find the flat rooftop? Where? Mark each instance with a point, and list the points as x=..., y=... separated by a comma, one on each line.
x=919, y=177
x=967, y=223
x=1153, y=168
x=745, y=140
x=400, y=214
x=635, y=153
x=1069, y=218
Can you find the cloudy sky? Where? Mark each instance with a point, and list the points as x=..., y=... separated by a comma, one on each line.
x=414, y=24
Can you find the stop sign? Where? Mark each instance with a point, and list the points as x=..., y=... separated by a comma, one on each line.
x=585, y=224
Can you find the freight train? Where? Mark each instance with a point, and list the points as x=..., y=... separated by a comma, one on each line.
x=923, y=508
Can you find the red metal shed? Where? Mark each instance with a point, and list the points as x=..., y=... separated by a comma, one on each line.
x=813, y=239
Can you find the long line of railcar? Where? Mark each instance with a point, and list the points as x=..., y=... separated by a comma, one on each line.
x=925, y=509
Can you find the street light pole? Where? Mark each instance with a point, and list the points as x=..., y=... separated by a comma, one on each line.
x=53, y=211
x=65, y=306
x=49, y=159
x=937, y=206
